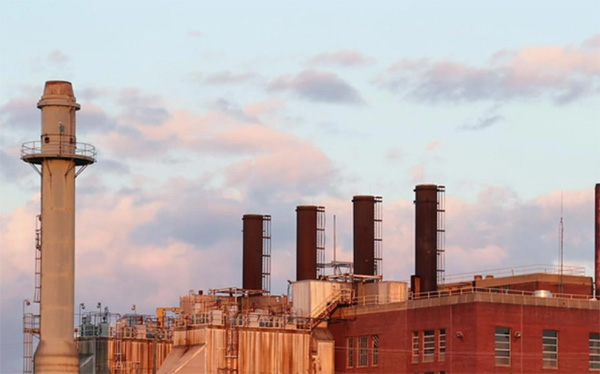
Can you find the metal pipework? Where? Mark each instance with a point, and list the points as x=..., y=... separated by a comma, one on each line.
x=306, y=242
x=597, y=241
x=364, y=234
x=252, y=248
x=58, y=155
x=426, y=206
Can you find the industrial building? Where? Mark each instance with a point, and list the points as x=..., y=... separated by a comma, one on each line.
x=337, y=317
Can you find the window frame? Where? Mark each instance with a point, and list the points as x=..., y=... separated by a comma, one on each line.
x=416, y=347
x=428, y=345
x=350, y=352
x=441, y=345
x=374, y=350
x=550, y=349
x=363, y=352
x=502, y=344
x=594, y=351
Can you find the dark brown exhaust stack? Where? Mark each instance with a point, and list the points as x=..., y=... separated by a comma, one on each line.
x=597, y=241
x=309, y=241
x=426, y=224
x=367, y=235
x=256, y=247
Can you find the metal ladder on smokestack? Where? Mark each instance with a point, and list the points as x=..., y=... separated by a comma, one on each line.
x=31, y=322
x=441, y=234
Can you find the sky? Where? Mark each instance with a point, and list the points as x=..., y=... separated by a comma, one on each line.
x=204, y=111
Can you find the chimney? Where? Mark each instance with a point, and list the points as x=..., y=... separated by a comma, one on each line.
x=597, y=241
x=426, y=210
x=367, y=235
x=253, y=251
x=309, y=241
x=61, y=159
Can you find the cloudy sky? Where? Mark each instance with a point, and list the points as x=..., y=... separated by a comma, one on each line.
x=202, y=112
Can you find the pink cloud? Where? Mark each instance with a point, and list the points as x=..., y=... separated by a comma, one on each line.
x=564, y=73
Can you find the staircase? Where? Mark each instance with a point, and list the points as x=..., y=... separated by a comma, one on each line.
x=326, y=308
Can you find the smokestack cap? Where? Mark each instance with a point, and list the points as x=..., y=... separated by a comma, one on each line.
x=58, y=93
x=306, y=207
x=363, y=198
x=252, y=216
x=426, y=187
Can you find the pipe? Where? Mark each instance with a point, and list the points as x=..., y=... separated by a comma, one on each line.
x=597, y=241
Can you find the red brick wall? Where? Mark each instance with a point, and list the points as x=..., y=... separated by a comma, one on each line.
x=474, y=352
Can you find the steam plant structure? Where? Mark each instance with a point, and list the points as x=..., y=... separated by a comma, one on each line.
x=337, y=317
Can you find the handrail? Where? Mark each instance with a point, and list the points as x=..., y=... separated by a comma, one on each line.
x=77, y=149
x=517, y=270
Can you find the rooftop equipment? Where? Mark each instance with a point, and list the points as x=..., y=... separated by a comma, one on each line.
x=368, y=257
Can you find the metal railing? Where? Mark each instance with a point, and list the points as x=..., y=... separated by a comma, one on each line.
x=518, y=270
x=60, y=148
x=496, y=291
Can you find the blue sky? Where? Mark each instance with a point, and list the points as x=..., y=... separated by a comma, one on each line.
x=204, y=111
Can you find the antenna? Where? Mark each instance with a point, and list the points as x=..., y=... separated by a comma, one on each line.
x=561, y=231
x=334, y=237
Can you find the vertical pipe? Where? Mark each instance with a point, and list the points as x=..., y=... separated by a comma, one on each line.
x=56, y=351
x=364, y=234
x=306, y=242
x=597, y=241
x=252, y=248
x=426, y=236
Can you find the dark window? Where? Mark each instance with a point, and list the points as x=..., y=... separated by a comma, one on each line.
x=350, y=352
x=550, y=349
x=595, y=350
x=442, y=345
x=375, y=342
x=502, y=347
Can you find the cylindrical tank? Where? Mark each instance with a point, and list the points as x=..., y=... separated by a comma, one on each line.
x=364, y=234
x=252, y=248
x=597, y=241
x=56, y=352
x=426, y=206
x=306, y=242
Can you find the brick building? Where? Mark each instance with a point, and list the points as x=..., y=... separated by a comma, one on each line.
x=473, y=330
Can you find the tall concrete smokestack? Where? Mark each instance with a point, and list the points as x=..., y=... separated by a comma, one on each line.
x=253, y=251
x=59, y=155
x=597, y=241
x=426, y=209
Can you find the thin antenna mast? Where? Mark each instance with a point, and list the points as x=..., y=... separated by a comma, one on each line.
x=561, y=230
x=334, y=235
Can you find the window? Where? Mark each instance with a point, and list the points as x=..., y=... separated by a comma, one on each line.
x=595, y=350
x=415, y=346
x=363, y=350
x=442, y=345
x=350, y=352
x=502, y=348
x=428, y=345
x=550, y=349
x=375, y=347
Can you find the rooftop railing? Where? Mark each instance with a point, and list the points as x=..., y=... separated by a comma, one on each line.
x=518, y=270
